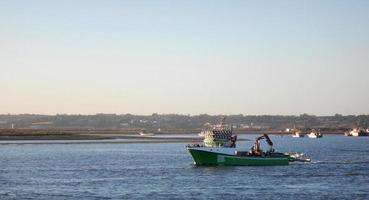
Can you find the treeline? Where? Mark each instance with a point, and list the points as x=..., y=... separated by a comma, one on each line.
x=175, y=121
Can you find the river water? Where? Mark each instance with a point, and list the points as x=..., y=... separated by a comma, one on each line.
x=340, y=170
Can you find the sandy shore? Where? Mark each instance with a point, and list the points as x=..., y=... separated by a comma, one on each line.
x=121, y=136
x=85, y=139
x=37, y=136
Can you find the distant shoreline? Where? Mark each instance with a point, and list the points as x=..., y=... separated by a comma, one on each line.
x=113, y=136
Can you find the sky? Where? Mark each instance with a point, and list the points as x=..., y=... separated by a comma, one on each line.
x=186, y=57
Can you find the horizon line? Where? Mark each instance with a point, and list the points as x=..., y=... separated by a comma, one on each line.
x=188, y=114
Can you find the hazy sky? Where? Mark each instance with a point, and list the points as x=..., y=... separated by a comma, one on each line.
x=189, y=57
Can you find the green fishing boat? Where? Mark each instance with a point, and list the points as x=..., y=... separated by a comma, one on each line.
x=219, y=148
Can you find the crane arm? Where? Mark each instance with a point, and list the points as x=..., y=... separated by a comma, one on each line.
x=268, y=140
x=266, y=137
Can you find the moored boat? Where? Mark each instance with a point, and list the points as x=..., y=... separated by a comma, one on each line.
x=297, y=133
x=219, y=148
x=143, y=133
x=356, y=132
x=315, y=134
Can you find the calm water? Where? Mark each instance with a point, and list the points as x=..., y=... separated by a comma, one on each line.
x=340, y=169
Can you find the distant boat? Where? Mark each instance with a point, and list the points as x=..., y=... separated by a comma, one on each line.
x=315, y=134
x=297, y=133
x=142, y=133
x=356, y=132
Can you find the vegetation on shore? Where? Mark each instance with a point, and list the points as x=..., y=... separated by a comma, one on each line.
x=170, y=123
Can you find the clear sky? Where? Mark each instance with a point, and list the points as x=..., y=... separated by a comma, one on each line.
x=188, y=57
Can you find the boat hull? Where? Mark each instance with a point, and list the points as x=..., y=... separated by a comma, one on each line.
x=315, y=136
x=297, y=135
x=359, y=134
x=208, y=157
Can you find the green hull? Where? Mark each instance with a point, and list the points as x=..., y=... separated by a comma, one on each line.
x=212, y=158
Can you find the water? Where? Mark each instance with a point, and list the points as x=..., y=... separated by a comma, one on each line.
x=340, y=169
